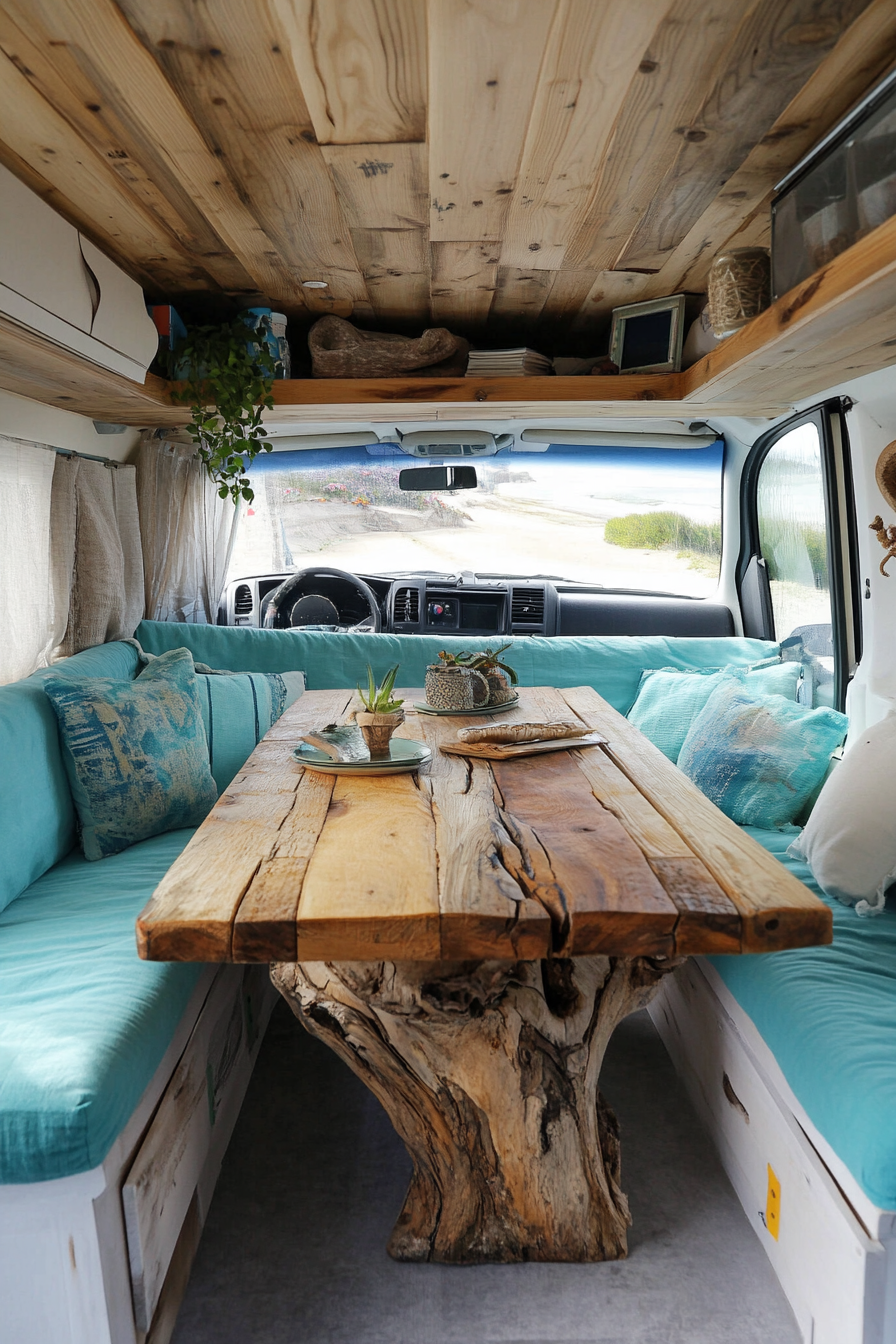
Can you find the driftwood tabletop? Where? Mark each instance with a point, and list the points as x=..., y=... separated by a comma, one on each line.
x=607, y=849
x=467, y=938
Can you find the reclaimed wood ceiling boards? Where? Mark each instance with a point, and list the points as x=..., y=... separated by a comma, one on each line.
x=511, y=169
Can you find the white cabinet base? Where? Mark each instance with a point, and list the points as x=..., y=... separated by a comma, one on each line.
x=834, y=1251
x=66, y=1276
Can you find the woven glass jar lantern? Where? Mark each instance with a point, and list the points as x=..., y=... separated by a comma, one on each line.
x=739, y=288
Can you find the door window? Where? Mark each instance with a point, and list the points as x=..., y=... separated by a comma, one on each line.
x=790, y=512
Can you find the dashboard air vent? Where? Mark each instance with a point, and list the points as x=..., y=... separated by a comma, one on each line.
x=527, y=606
x=242, y=600
x=407, y=605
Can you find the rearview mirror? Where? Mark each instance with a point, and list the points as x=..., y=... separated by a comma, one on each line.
x=437, y=478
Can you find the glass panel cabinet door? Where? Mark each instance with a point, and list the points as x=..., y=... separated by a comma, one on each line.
x=790, y=508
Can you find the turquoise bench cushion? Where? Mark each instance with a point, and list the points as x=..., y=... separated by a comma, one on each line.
x=84, y=1023
x=828, y=1014
x=237, y=711
x=35, y=802
x=612, y=665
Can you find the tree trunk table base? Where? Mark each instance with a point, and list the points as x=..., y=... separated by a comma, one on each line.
x=489, y=1072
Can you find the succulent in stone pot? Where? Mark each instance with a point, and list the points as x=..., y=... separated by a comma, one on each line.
x=493, y=669
x=381, y=714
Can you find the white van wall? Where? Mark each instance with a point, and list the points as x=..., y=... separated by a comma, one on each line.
x=21, y=418
x=873, y=691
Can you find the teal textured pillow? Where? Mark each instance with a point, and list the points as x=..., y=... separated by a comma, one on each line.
x=238, y=708
x=135, y=753
x=759, y=761
x=668, y=701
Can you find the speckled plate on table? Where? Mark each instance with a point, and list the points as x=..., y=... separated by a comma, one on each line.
x=423, y=708
x=404, y=755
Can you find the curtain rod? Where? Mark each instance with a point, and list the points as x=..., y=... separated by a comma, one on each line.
x=88, y=457
x=65, y=452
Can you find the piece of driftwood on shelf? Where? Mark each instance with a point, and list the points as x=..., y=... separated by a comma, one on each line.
x=341, y=350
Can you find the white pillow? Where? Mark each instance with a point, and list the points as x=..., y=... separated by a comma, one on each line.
x=850, y=839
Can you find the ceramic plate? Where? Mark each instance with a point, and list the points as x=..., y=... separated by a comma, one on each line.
x=403, y=755
x=424, y=708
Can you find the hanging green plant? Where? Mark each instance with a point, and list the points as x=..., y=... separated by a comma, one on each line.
x=227, y=378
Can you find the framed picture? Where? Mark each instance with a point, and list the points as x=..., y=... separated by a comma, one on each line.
x=646, y=337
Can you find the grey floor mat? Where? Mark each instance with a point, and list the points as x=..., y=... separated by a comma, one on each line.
x=293, y=1250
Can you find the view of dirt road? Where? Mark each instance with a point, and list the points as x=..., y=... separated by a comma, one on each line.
x=496, y=534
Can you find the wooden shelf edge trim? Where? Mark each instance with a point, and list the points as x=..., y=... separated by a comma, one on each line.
x=353, y=391
x=862, y=267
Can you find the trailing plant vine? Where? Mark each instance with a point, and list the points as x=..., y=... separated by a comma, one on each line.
x=227, y=379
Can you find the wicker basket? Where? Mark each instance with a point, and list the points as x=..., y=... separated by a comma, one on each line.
x=739, y=288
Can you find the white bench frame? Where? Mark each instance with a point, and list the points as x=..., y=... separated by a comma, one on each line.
x=835, y=1254
x=67, y=1268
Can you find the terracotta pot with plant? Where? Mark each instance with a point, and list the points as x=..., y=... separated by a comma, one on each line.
x=381, y=714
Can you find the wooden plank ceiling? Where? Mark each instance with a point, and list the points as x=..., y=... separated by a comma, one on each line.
x=511, y=169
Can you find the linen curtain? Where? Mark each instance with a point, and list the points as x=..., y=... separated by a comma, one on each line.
x=26, y=475
x=188, y=533
x=96, y=560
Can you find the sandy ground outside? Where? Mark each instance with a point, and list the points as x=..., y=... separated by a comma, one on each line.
x=502, y=537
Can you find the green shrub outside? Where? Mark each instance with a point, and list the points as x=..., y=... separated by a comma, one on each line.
x=653, y=531
x=774, y=534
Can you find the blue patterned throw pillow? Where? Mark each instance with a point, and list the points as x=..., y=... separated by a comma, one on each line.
x=759, y=760
x=669, y=701
x=237, y=709
x=135, y=753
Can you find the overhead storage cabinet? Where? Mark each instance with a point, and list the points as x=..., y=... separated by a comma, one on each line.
x=55, y=281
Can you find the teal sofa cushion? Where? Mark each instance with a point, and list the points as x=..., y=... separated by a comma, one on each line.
x=759, y=760
x=35, y=800
x=669, y=701
x=238, y=708
x=612, y=665
x=135, y=752
x=828, y=1014
x=84, y=1023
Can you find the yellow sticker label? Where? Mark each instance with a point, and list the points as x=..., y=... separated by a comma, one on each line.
x=773, y=1205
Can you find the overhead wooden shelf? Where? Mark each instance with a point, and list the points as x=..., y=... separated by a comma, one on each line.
x=837, y=325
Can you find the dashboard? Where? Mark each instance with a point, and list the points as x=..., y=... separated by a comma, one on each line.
x=484, y=606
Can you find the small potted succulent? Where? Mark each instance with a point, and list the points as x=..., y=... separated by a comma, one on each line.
x=489, y=665
x=381, y=714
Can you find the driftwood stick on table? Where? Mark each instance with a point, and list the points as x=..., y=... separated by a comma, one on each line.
x=489, y=1073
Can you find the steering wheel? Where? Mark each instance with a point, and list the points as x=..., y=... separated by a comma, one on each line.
x=295, y=603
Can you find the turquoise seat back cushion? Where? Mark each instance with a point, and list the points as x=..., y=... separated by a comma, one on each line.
x=84, y=1023
x=828, y=1014
x=668, y=701
x=237, y=711
x=35, y=799
x=135, y=752
x=612, y=665
x=759, y=760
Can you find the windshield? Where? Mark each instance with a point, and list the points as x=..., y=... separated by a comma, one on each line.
x=642, y=518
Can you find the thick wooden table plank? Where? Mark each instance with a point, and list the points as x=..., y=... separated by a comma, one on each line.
x=191, y=914
x=704, y=910
x=777, y=910
x=482, y=910
x=600, y=850
x=371, y=891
